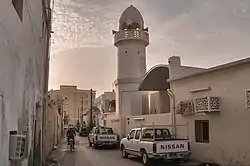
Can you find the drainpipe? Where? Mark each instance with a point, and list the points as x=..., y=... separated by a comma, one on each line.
x=172, y=96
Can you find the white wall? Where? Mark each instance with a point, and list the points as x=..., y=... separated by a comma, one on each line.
x=160, y=120
x=229, y=129
x=22, y=70
x=131, y=59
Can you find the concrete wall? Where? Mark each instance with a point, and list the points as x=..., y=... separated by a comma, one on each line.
x=158, y=119
x=159, y=102
x=23, y=64
x=122, y=126
x=229, y=129
x=53, y=128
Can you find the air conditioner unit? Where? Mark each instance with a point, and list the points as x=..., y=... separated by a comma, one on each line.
x=207, y=104
x=185, y=107
x=17, y=146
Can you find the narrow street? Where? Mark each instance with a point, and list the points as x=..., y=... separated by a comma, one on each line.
x=88, y=156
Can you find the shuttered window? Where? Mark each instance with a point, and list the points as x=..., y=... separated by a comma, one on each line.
x=202, y=131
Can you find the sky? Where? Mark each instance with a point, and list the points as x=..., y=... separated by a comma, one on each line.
x=204, y=33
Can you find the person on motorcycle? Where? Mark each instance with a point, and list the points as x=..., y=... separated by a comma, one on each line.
x=71, y=135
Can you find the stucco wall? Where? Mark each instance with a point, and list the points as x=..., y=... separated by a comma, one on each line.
x=22, y=72
x=159, y=102
x=122, y=126
x=160, y=120
x=229, y=129
x=53, y=128
x=129, y=101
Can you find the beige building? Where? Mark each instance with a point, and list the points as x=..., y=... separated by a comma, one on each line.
x=106, y=104
x=75, y=101
x=216, y=105
x=25, y=30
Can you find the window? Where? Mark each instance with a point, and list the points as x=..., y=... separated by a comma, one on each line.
x=18, y=5
x=137, y=134
x=148, y=134
x=85, y=102
x=86, y=96
x=160, y=134
x=131, y=135
x=202, y=131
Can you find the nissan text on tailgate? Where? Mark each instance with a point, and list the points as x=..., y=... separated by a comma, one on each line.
x=103, y=136
x=154, y=143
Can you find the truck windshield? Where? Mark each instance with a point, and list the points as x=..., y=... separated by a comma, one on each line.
x=160, y=134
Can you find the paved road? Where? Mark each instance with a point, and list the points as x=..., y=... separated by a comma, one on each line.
x=88, y=156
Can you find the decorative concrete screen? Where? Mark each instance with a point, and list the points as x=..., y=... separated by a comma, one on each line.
x=207, y=104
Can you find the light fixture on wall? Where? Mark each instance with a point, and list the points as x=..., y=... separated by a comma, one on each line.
x=139, y=118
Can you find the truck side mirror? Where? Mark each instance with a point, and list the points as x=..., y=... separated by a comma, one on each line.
x=128, y=137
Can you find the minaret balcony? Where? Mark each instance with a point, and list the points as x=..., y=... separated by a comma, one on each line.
x=131, y=35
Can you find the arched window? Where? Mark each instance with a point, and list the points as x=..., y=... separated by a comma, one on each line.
x=124, y=26
x=135, y=25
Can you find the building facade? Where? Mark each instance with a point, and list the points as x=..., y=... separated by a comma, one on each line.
x=24, y=63
x=106, y=104
x=103, y=101
x=215, y=103
x=54, y=125
x=76, y=103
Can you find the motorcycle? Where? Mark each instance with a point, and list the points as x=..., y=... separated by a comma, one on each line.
x=51, y=162
x=71, y=144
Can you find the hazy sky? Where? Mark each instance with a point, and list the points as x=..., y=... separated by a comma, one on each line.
x=204, y=33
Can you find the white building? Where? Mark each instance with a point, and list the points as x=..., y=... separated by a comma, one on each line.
x=24, y=44
x=103, y=101
x=106, y=104
x=215, y=103
x=131, y=41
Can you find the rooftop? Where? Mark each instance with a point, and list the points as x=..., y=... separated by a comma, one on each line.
x=223, y=66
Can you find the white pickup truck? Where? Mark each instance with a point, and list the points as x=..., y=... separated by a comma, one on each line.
x=103, y=136
x=154, y=143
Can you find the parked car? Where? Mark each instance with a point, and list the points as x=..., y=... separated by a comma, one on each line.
x=154, y=143
x=83, y=131
x=103, y=137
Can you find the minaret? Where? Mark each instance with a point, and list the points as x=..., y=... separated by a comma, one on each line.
x=131, y=41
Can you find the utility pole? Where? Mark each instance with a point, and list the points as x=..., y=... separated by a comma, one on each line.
x=81, y=110
x=91, y=118
x=78, y=116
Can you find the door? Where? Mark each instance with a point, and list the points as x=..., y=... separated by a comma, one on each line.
x=136, y=143
x=129, y=144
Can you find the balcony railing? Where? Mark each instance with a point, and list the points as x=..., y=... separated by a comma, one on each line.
x=131, y=35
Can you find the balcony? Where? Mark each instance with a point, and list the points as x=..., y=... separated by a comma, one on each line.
x=131, y=35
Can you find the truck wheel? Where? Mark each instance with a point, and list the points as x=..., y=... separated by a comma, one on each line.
x=124, y=153
x=145, y=159
x=95, y=146
x=90, y=144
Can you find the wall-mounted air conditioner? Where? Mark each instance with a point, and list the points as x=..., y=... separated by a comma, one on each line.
x=17, y=146
x=185, y=107
x=207, y=104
